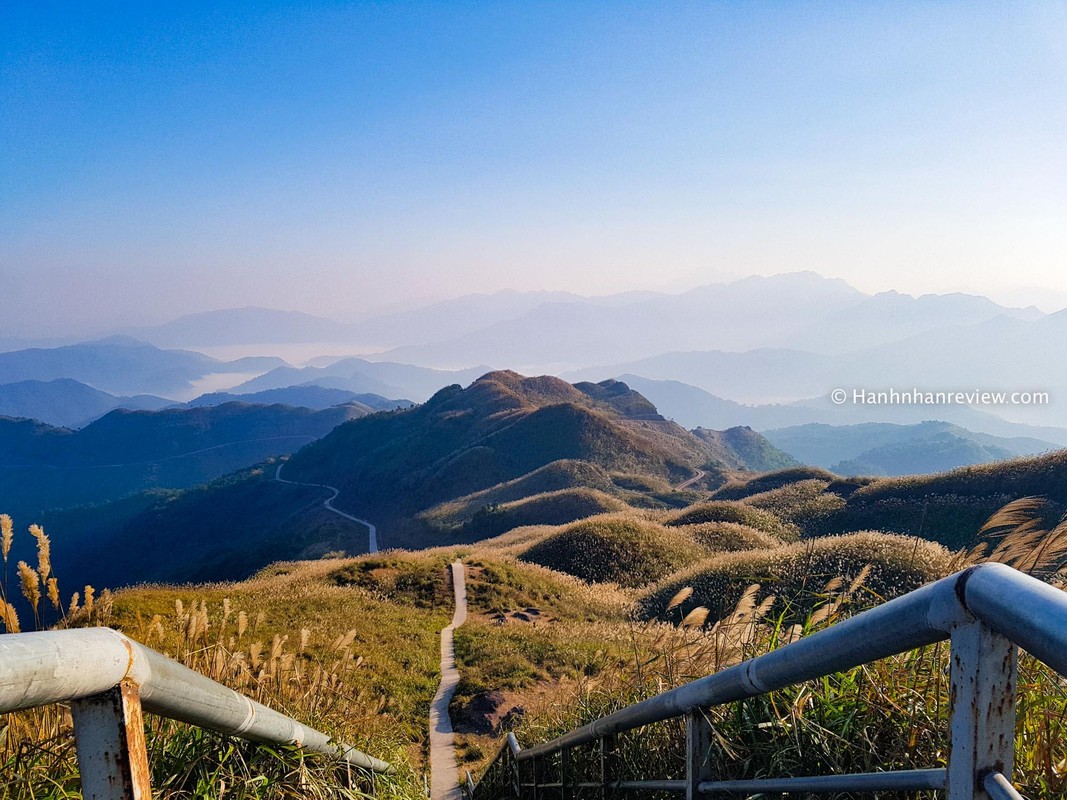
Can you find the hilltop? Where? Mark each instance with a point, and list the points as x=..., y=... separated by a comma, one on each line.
x=499, y=428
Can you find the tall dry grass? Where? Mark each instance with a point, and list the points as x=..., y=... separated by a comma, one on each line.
x=1023, y=535
x=265, y=649
x=891, y=714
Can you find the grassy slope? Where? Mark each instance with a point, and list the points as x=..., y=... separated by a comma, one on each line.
x=743, y=448
x=949, y=507
x=223, y=531
x=562, y=474
x=396, y=634
x=358, y=659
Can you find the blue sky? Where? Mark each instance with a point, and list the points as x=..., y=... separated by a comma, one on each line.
x=157, y=159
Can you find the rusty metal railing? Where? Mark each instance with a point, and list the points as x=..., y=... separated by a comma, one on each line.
x=108, y=678
x=986, y=612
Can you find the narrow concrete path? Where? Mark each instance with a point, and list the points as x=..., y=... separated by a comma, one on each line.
x=372, y=531
x=444, y=776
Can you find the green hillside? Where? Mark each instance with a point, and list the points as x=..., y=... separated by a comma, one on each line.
x=125, y=452
x=223, y=530
x=744, y=449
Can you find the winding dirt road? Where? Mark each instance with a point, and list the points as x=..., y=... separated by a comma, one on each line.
x=372, y=531
x=444, y=776
x=686, y=484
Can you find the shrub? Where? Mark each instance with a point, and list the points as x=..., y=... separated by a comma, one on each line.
x=718, y=537
x=800, y=503
x=550, y=508
x=897, y=564
x=740, y=513
x=620, y=549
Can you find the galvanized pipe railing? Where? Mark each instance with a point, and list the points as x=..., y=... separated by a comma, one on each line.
x=985, y=611
x=108, y=677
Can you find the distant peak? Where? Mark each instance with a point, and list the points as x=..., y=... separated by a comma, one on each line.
x=807, y=277
x=121, y=340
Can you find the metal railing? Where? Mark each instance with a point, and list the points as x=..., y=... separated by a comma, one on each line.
x=108, y=678
x=986, y=612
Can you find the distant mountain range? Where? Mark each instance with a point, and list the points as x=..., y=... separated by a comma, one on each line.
x=66, y=402
x=70, y=404
x=304, y=396
x=363, y=376
x=1002, y=354
x=443, y=320
x=886, y=449
x=124, y=366
x=798, y=311
x=243, y=326
x=760, y=340
x=767, y=351
x=691, y=407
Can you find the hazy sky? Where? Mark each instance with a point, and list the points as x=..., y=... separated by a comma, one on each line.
x=161, y=158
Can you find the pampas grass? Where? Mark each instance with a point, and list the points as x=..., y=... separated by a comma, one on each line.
x=1018, y=534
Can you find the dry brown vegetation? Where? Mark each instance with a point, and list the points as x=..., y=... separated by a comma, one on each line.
x=741, y=513
x=616, y=548
x=359, y=662
x=892, y=565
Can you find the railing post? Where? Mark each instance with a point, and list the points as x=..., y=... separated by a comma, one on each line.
x=697, y=752
x=609, y=772
x=982, y=725
x=109, y=740
x=536, y=769
x=525, y=772
x=564, y=774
